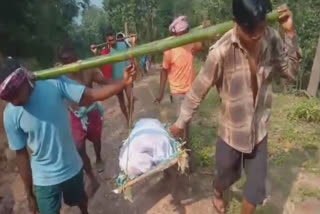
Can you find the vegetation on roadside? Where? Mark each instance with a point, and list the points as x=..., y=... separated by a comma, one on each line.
x=308, y=110
x=36, y=29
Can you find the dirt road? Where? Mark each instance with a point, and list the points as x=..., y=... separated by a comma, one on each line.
x=182, y=195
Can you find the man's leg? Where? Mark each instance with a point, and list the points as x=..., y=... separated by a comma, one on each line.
x=93, y=183
x=255, y=165
x=97, y=150
x=228, y=163
x=247, y=207
x=94, y=135
x=49, y=198
x=123, y=105
x=74, y=194
x=83, y=205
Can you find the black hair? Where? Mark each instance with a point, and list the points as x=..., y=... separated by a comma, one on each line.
x=248, y=13
x=8, y=67
x=67, y=48
x=120, y=36
x=110, y=32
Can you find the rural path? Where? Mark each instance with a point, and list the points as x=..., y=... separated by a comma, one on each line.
x=183, y=195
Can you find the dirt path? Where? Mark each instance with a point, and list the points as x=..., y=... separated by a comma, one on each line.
x=183, y=195
x=156, y=195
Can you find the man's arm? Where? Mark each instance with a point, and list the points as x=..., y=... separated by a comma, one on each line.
x=198, y=46
x=23, y=163
x=207, y=78
x=98, y=77
x=92, y=95
x=24, y=169
x=288, y=54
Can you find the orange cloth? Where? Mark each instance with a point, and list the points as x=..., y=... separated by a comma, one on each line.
x=179, y=63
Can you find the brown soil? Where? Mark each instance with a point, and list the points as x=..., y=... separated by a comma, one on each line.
x=173, y=195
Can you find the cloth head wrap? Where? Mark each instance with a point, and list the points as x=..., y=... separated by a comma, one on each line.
x=9, y=87
x=179, y=25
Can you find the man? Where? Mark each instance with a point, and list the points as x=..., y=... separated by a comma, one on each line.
x=240, y=65
x=86, y=122
x=117, y=70
x=36, y=116
x=106, y=69
x=121, y=37
x=178, y=67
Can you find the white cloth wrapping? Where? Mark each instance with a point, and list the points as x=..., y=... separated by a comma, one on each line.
x=149, y=145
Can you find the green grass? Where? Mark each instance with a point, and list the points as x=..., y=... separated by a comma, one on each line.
x=294, y=142
x=308, y=193
x=293, y=145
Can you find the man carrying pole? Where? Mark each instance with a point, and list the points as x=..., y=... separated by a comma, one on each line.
x=86, y=122
x=117, y=71
x=36, y=117
x=240, y=65
x=178, y=67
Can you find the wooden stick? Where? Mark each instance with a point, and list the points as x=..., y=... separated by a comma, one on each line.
x=154, y=171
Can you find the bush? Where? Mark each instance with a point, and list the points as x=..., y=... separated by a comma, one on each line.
x=308, y=111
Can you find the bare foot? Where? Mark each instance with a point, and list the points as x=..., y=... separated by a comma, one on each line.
x=218, y=202
x=93, y=186
x=100, y=166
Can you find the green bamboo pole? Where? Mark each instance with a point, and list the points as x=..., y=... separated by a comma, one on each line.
x=212, y=32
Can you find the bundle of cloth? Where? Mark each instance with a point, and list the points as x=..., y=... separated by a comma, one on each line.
x=148, y=145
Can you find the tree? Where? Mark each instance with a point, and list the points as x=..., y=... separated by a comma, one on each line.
x=315, y=75
x=34, y=28
x=95, y=22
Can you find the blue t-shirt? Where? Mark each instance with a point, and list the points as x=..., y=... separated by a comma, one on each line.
x=43, y=125
x=118, y=68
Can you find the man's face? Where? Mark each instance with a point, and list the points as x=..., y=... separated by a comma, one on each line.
x=22, y=95
x=111, y=40
x=251, y=36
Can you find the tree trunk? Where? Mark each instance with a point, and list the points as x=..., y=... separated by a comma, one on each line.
x=315, y=74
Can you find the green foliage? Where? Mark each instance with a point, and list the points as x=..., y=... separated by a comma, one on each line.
x=308, y=111
x=91, y=31
x=34, y=28
x=306, y=20
x=308, y=193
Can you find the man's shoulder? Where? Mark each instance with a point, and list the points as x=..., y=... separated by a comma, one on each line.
x=223, y=43
x=10, y=112
x=222, y=47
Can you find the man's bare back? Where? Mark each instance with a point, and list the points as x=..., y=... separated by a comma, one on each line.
x=87, y=78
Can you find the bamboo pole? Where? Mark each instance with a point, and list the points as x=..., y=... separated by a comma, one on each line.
x=212, y=32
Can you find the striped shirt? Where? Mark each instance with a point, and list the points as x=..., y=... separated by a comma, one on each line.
x=243, y=118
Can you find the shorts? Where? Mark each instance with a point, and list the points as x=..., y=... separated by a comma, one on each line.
x=176, y=100
x=255, y=164
x=94, y=129
x=49, y=197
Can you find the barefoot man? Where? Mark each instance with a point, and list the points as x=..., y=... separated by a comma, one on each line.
x=36, y=117
x=86, y=122
x=240, y=65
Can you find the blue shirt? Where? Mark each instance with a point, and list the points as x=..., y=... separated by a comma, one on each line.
x=118, y=68
x=43, y=125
